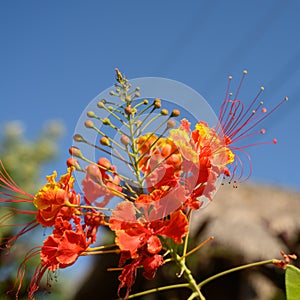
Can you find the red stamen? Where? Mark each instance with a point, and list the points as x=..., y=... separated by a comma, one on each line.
x=236, y=123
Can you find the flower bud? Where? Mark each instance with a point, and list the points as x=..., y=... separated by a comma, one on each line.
x=128, y=110
x=73, y=162
x=106, y=121
x=125, y=140
x=74, y=151
x=104, y=163
x=105, y=141
x=91, y=114
x=171, y=124
x=89, y=124
x=164, y=112
x=145, y=101
x=157, y=103
x=100, y=104
x=175, y=113
x=93, y=172
x=128, y=98
x=78, y=138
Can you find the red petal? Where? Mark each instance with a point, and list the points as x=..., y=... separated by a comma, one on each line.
x=154, y=244
x=177, y=227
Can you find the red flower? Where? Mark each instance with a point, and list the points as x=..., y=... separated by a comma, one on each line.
x=62, y=248
x=139, y=238
x=133, y=233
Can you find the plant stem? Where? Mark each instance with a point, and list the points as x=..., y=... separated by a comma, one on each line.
x=189, y=277
x=256, y=264
x=159, y=289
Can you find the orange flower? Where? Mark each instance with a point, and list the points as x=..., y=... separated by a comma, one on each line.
x=54, y=196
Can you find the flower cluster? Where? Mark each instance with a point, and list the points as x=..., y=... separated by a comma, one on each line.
x=175, y=171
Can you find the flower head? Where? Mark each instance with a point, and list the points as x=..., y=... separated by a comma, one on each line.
x=52, y=198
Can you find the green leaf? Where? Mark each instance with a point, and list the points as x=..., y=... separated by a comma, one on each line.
x=292, y=282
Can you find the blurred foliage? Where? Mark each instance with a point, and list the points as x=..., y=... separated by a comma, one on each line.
x=24, y=159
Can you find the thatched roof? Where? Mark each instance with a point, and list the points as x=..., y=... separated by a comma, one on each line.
x=255, y=221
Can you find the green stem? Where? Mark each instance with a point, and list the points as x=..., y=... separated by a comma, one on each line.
x=189, y=277
x=256, y=264
x=159, y=289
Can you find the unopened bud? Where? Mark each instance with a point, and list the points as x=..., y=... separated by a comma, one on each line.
x=157, y=103
x=78, y=138
x=125, y=140
x=164, y=112
x=100, y=104
x=104, y=141
x=89, y=124
x=93, y=172
x=112, y=93
x=74, y=151
x=145, y=101
x=91, y=114
x=128, y=110
x=175, y=113
x=171, y=124
x=128, y=98
x=73, y=162
x=137, y=95
x=104, y=163
x=106, y=121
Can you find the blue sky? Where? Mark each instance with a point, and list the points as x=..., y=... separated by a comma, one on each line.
x=56, y=56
